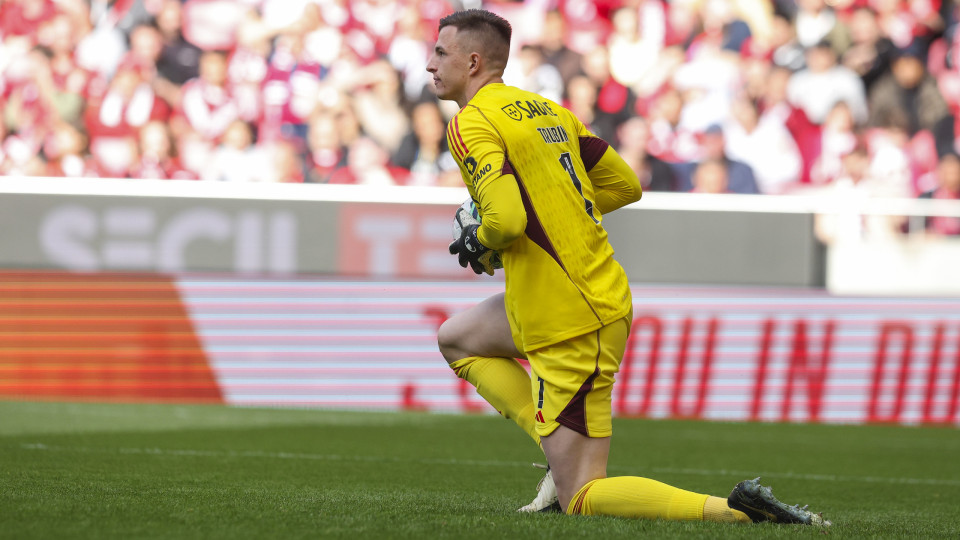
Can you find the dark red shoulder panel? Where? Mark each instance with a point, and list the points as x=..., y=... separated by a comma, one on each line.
x=591, y=150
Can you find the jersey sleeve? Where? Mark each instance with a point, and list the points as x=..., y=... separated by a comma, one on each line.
x=615, y=183
x=479, y=151
x=477, y=148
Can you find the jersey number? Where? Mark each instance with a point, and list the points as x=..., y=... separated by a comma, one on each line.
x=567, y=163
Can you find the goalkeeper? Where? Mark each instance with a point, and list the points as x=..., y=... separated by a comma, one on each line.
x=542, y=183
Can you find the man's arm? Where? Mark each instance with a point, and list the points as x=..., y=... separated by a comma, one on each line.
x=476, y=145
x=504, y=218
x=614, y=182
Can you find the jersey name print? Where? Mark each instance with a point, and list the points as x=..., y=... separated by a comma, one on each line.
x=555, y=134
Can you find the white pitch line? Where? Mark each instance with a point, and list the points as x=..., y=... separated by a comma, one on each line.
x=489, y=463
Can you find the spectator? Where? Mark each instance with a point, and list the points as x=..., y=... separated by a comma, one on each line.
x=907, y=22
x=146, y=45
x=348, y=124
x=3, y=139
x=408, y=54
x=24, y=17
x=740, y=177
x=290, y=90
x=377, y=99
x=146, y=52
x=683, y=23
x=823, y=83
x=194, y=151
x=286, y=163
x=765, y=145
x=587, y=23
x=854, y=186
x=179, y=60
x=615, y=103
x=805, y=133
x=711, y=176
x=529, y=72
x=377, y=20
x=838, y=137
x=102, y=48
x=891, y=164
x=947, y=188
x=65, y=153
x=325, y=151
x=754, y=71
x=368, y=164
x=817, y=23
x=722, y=27
x=785, y=50
x=668, y=140
x=315, y=76
x=156, y=158
x=709, y=80
x=654, y=173
x=582, y=100
x=909, y=90
x=31, y=97
x=424, y=151
x=69, y=83
x=634, y=53
x=553, y=43
x=247, y=69
x=237, y=159
x=870, y=53
x=290, y=17
x=212, y=25
x=207, y=105
x=114, y=121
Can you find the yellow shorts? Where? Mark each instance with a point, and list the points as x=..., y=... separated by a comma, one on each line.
x=572, y=381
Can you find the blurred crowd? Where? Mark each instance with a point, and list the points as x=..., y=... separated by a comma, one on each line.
x=743, y=96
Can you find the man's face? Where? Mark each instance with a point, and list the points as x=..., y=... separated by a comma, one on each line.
x=908, y=71
x=949, y=172
x=449, y=65
x=820, y=59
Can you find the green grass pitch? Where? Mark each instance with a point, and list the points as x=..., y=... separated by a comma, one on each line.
x=162, y=471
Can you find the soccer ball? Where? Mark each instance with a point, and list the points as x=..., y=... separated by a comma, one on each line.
x=467, y=214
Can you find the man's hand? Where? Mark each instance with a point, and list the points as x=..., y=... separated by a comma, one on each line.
x=470, y=251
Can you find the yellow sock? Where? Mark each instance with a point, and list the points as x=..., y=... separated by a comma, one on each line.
x=504, y=384
x=716, y=509
x=635, y=497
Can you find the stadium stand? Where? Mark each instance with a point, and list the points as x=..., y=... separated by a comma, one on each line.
x=189, y=89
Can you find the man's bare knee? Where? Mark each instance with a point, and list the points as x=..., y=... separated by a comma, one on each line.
x=482, y=330
x=449, y=342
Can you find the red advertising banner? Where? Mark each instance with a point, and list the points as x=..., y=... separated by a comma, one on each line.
x=743, y=354
x=104, y=337
x=694, y=352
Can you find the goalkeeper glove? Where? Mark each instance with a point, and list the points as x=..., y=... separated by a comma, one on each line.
x=470, y=251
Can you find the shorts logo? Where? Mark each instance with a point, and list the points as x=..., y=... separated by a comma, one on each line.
x=512, y=111
x=539, y=416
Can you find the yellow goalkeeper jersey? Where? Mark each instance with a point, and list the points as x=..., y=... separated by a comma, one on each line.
x=561, y=276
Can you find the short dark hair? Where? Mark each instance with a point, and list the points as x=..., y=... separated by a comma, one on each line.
x=491, y=31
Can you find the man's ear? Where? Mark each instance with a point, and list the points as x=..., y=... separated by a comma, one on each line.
x=474, y=65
